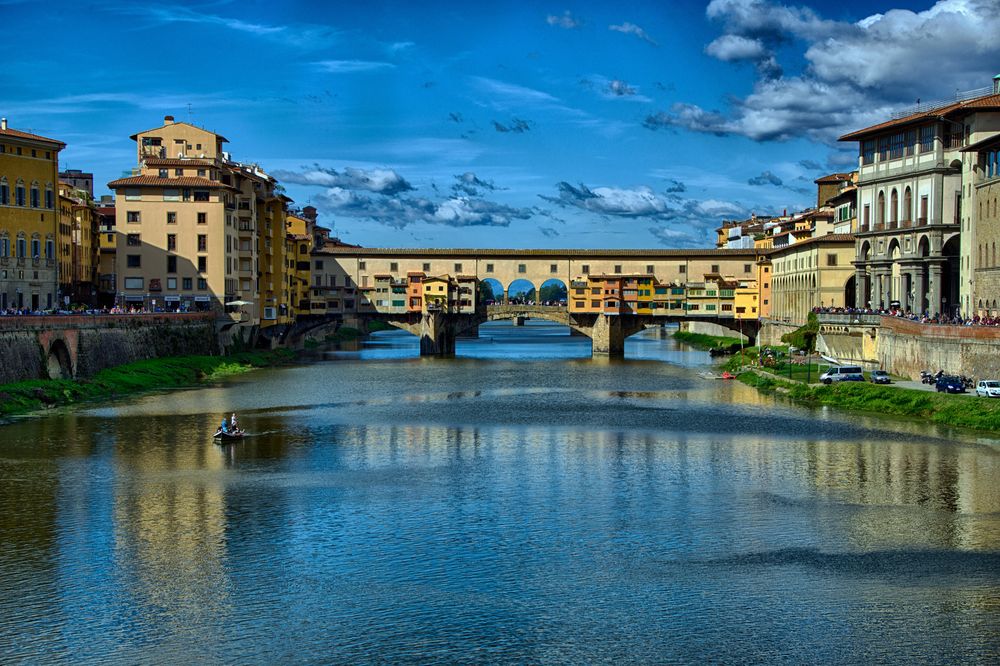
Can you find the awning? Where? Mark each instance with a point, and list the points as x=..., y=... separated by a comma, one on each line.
x=171, y=299
x=135, y=299
x=202, y=299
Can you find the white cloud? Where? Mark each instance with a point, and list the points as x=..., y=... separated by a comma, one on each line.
x=351, y=66
x=567, y=21
x=632, y=29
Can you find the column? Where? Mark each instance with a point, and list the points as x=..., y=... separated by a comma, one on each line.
x=860, y=280
x=920, y=287
x=876, y=288
x=906, y=283
x=934, y=287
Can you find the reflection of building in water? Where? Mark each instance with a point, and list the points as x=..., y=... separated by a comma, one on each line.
x=170, y=517
x=885, y=474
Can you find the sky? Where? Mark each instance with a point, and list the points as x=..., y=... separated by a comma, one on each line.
x=518, y=125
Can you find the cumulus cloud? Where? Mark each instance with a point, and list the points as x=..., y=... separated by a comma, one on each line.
x=614, y=201
x=619, y=88
x=854, y=74
x=675, y=186
x=381, y=181
x=567, y=21
x=472, y=185
x=766, y=178
x=632, y=29
x=400, y=212
x=516, y=125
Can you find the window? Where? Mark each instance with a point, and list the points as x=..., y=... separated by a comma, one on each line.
x=585, y=269
x=202, y=265
x=186, y=283
x=202, y=242
x=202, y=218
x=178, y=172
x=649, y=269
x=133, y=240
x=318, y=265
x=458, y=268
x=202, y=283
x=927, y=139
x=171, y=264
x=35, y=196
x=19, y=194
x=682, y=269
x=426, y=268
x=911, y=142
x=489, y=268
x=133, y=216
x=133, y=194
x=393, y=266
x=923, y=210
x=171, y=218
x=866, y=218
x=164, y=173
x=36, y=248
x=133, y=260
x=831, y=260
x=747, y=268
x=4, y=192
x=133, y=283
x=22, y=247
x=171, y=195
x=553, y=268
x=896, y=142
x=618, y=268
x=4, y=247
x=171, y=283
x=715, y=268
x=201, y=195
x=522, y=268
x=49, y=197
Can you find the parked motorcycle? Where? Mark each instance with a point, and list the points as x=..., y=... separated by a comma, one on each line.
x=926, y=377
x=967, y=382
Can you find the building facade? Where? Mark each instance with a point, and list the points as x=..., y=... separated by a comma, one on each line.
x=29, y=219
x=814, y=273
x=916, y=205
x=985, y=232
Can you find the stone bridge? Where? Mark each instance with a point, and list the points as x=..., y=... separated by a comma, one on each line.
x=70, y=346
x=439, y=331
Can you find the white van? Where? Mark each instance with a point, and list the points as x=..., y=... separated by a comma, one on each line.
x=843, y=373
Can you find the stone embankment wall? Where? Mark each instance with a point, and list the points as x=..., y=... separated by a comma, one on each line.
x=81, y=346
x=905, y=347
x=771, y=332
x=708, y=328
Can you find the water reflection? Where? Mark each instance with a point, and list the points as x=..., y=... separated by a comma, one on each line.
x=391, y=508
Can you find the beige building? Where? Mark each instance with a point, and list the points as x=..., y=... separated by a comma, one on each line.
x=193, y=225
x=985, y=231
x=29, y=219
x=813, y=273
x=916, y=205
x=78, y=248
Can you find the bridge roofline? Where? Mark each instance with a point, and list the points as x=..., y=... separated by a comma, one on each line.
x=653, y=253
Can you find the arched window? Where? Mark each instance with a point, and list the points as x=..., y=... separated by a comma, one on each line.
x=36, y=247
x=893, y=208
x=20, y=194
x=4, y=191
x=22, y=246
x=50, y=249
x=4, y=245
x=880, y=209
x=36, y=196
x=50, y=198
x=907, y=205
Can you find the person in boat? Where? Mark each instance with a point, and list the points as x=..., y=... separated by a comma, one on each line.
x=232, y=423
x=224, y=427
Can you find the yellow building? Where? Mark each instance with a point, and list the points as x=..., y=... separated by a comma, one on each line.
x=813, y=273
x=438, y=293
x=78, y=246
x=29, y=171
x=746, y=300
x=298, y=250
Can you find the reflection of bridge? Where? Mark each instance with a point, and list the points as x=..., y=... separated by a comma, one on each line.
x=438, y=331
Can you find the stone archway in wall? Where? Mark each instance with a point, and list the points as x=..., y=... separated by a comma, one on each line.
x=520, y=291
x=553, y=291
x=896, y=278
x=490, y=289
x=850, y=291
x=58, y=362
x=950, y=276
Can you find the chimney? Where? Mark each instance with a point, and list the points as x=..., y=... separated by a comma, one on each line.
x=168, y=120
x=996, y=84
x=3, y=123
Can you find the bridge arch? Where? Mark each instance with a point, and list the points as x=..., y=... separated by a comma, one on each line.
x=553, y=291
x=58, y=361
x=518, y=291
x=494, y=288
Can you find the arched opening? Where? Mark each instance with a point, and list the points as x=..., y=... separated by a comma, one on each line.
x=950, y=304
x=521, y=292
x=924, y=247
x=894, y=297
x=490, y=291
x=880, y=210
x=850, y=292
x=58, y=362
x=552, y=292
x=893, y=209
x=907, y=205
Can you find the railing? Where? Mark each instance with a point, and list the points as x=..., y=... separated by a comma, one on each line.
x=845, y=319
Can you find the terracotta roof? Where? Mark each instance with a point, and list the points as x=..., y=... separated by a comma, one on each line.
x=175, y=162
x=833, y=178
x=829, y=238
x=991, y=101
x=472, y=253
x=18, y=134
x=186, y=181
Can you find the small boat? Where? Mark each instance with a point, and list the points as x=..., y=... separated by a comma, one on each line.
x=222, y=437
x=728, y=375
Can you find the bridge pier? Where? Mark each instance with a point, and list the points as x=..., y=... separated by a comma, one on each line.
x=518, y=321
x=607, y=337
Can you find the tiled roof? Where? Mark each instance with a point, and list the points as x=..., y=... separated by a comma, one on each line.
x=829, y=238
x=833, y=178
x=656, y=253
x=186, y=181
x=991, y=101
x=18, y=134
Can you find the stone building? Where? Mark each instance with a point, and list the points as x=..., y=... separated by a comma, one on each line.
x=29, y=219
x=813, y=273
x=985, y=232
x=915, y=204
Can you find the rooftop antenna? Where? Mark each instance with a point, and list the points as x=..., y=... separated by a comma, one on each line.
x=190, y=115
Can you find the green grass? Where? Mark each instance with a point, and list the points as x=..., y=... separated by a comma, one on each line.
x=702, y=341
x=148, y=375
x=953, y=410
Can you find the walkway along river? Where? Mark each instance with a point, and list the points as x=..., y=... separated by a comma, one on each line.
x=519, y=503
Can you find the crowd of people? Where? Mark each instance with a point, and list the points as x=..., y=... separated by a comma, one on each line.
x=116, y=310
x=925, y=318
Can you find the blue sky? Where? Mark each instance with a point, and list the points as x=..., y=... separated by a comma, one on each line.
x=442, y=124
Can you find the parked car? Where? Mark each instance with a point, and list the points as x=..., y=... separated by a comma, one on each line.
x=950, y=384
x=843, y=373
x=988, y=388
x=880, y=377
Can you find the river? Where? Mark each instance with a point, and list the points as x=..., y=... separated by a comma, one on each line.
x=520, y=503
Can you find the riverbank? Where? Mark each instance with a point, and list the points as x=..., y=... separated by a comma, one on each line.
x=943, y=408
x=153, y=374
x=706, y=342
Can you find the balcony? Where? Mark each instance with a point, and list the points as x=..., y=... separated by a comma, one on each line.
x=36, y=262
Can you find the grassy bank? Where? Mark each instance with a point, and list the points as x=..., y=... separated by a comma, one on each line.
x=702, y=341
x=152, y=374
x=954, y=410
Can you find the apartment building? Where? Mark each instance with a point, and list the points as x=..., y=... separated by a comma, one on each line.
x=813, y=273
x=916, y=203
x=78, y=247
x=29, y=220
x=108, y=251
x=194, y=226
